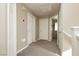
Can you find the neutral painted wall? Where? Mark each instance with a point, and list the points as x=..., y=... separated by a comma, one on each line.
x=26, y=29
x=69, y=18
x=3, y=29
x=43, y=28
x=21, y=27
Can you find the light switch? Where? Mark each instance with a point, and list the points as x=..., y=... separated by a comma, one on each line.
x=23, y=40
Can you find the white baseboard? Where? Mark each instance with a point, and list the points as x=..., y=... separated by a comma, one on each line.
x=49, y=40
x=22, y=49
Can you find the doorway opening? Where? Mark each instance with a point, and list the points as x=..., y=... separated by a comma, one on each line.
x=54, y=29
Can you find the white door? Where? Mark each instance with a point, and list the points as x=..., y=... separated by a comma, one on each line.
x=43, y=29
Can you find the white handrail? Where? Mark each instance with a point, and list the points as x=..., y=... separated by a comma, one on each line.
x=75, y=29
x=75, y=41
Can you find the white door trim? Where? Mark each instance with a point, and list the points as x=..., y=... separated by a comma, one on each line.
x=58, y=32
x=11, y=29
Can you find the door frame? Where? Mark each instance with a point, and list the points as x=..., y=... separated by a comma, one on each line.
x=59, y=42
x=11, y=30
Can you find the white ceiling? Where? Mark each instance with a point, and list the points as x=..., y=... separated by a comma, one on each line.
x=43, y=9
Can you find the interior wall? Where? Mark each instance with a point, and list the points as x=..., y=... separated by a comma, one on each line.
x=69, y=18
x=43, y=28
x=3, y=29
x=25, y=30
x=21, y=27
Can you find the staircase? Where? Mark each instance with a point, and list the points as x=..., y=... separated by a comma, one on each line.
x=75, y=41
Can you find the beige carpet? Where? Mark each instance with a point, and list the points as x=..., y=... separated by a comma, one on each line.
x=41, y=48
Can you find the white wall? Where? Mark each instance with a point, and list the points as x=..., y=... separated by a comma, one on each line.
x=43, y=28
x=21, y=27
x=3, y=29
x=26, y=29
x=69, y=17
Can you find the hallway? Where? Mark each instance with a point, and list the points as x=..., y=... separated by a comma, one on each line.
x=36, y=29
x=40, y=29
x=41, y=48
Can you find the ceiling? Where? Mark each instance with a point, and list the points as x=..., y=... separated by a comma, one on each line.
x=43, y=9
